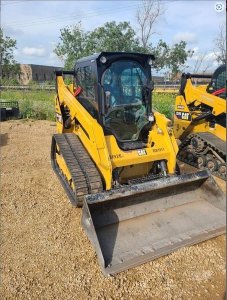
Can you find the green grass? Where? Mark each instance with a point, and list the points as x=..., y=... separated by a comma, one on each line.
x=40, y=104
x=164, y=103
x=33, y=104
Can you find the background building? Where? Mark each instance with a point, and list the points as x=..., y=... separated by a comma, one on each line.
x=37, y=73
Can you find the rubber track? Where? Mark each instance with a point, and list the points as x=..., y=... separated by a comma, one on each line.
x=84, y=173
x=211, y=141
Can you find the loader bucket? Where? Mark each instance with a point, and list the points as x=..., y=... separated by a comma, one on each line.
x=132, y=225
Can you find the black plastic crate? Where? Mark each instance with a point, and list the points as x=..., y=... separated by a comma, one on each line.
x=9, y=110
x=9, y=104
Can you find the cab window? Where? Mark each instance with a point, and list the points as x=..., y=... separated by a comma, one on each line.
x=86, y=80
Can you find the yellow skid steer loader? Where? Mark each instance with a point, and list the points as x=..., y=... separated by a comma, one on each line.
x=200, y=122
x=117, y=158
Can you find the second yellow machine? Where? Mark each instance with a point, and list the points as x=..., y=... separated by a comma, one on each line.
x=200, y=122
x=117, y=158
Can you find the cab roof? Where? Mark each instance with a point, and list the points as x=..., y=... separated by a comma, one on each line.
x=96, y=56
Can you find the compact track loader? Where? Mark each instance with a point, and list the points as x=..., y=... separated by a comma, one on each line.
x=117, y=158
x=200, y=122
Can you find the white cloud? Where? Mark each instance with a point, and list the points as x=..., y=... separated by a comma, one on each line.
x=30, y=51
x=188, y=37
x=208, y=56
x=202, y=61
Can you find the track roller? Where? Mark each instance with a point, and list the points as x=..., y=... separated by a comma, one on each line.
x=212, y=165
x=222, y=170
x=201, y=160
x=204, y=150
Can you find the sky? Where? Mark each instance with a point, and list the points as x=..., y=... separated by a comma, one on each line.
x=36, y=25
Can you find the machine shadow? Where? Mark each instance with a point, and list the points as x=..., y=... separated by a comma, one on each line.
x=107, y=236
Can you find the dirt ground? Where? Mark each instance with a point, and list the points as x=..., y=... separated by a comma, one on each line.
x=46, y=255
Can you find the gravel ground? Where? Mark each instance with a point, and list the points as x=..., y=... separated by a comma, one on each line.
x=46, y=255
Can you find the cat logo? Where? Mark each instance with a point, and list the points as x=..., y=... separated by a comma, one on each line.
x=183, y=115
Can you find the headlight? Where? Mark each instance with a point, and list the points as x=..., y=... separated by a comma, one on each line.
x=150, y=61
x=103, y=59
x=151, y=118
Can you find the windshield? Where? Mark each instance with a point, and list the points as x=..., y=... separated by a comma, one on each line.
x=126, y=112
x=124, y=80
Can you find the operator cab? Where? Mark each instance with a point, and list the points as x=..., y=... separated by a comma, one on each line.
x=116, y=90
x=217, y=86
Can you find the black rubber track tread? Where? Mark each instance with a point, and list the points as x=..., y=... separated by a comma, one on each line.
x=84, y=161
x=211, y=141
x=84, y=173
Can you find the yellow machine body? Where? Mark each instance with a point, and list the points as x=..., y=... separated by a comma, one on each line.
x=198, y=96
x=105, y=151
x=200, y=124
x=124, y=173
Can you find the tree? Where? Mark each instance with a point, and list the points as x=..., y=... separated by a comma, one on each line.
x=172, y=58
x=161, y=53
x=72, y=46
x=75, y=43
x=178, y=56
x=113, y=37
x=8, y=63
x=147, y=17
x=220, y=45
